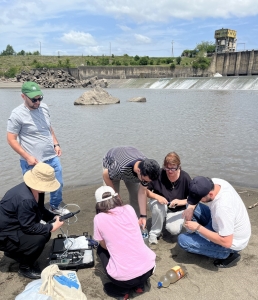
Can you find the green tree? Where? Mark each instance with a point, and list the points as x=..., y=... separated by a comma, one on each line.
x=178, y=60
x=172, y=66
x=136, y=58
x=22, y=52
x=143, y=60
x=202, y=63
x=8, y=51
x=206, y=46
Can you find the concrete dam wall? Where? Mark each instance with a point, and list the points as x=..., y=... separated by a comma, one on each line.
x=243, y=63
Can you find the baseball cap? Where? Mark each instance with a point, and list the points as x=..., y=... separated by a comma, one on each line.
x=198, y=188
x=31, y=89
x=102, y=190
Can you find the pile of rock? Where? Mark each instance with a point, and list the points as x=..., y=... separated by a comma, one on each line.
x=96, y=96
x=50, y=78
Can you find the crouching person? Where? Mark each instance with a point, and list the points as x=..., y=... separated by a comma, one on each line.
x=22, y=234
x=125, y=257
x=219, y=229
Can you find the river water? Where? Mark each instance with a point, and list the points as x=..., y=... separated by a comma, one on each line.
x=213, y=131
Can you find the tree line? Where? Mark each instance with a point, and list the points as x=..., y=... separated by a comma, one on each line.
x=195, y=59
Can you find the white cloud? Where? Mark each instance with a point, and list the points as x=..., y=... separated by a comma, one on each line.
x=124, y=28
x=78, y=38
x=142, y=38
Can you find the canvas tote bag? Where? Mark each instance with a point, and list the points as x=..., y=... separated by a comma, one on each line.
x=61, y=284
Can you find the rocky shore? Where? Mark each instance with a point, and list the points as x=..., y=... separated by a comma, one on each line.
x=202, y=282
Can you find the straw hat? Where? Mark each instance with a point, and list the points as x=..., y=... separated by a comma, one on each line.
x=41, y=178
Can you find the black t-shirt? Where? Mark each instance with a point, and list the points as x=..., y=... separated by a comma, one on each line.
x=176, y=190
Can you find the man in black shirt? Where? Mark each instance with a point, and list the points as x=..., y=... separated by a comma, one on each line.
x=22, y=234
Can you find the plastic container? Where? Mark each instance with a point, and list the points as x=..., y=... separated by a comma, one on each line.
x=172, y=275
x=145, y=236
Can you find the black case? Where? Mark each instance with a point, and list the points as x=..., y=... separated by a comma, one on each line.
x=73, y=255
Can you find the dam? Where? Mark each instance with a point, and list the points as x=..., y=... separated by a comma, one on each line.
x=195, y=83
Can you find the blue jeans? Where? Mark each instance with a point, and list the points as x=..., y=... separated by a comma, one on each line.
x=55, y=197
x=196, y=243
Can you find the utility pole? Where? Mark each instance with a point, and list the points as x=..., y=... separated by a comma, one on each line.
x=40, y=48
x=172, y=53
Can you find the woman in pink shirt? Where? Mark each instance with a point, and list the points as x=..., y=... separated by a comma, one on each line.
x=122, y=251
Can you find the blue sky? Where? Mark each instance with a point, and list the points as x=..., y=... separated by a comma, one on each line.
x=142, y=27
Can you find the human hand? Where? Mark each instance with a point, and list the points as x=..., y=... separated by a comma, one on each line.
x=58, y=150
x=32, y=161
x=174, y=203
x=188, y=213
x=162, y=200
x=191, y=225
x=142, y=222
x=57, y=224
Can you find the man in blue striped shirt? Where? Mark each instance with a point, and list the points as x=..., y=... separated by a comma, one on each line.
x=130, y=165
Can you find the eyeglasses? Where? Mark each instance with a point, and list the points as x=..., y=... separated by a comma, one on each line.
x=34, y=100
x=171, y=169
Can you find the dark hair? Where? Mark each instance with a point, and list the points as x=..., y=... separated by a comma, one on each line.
x=106, y=205
x=150, y=168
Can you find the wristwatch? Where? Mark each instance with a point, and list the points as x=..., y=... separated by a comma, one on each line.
x=143, y=216
x=55, y=145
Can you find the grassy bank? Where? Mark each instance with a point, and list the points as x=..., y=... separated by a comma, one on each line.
x=13, y=64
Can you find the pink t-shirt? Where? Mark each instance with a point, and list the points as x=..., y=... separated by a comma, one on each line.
x=129, y=256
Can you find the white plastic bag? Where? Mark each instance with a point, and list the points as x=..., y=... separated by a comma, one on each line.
x=76, y=243
x=32, y=292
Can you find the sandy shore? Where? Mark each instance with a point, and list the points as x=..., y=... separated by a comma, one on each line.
x=203, y=280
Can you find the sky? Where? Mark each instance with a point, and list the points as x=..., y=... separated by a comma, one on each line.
x=160, y=28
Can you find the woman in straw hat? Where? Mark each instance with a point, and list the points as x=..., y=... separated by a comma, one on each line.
x=22, y=235
x=123, y=253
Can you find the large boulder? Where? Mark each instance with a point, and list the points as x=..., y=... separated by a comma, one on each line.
x=137, y=99
x=96, y=96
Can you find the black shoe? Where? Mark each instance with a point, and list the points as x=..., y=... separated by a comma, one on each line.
x=12, y=256
x=228, y=262
x=30, y=272
x=115, y=291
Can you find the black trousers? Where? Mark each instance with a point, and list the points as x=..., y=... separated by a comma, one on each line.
x=27, y=250
x=128, y=284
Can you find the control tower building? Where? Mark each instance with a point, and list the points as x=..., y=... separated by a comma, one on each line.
x=225, y=40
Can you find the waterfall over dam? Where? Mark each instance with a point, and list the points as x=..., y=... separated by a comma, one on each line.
x=211, y=83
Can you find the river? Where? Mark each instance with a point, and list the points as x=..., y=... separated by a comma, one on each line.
x=213, y=131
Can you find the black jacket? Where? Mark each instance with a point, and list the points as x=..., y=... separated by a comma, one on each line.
x=19, y=211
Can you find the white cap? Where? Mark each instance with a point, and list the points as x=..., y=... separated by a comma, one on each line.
x=104, y=189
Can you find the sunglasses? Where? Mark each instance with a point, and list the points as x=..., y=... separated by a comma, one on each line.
x=144, y=183
x=171, y=169
x=34, y=100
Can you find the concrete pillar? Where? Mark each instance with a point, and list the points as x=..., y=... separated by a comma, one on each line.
x=251, y=62
x=225, y=65
x=238, y=60
x=213, y=66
